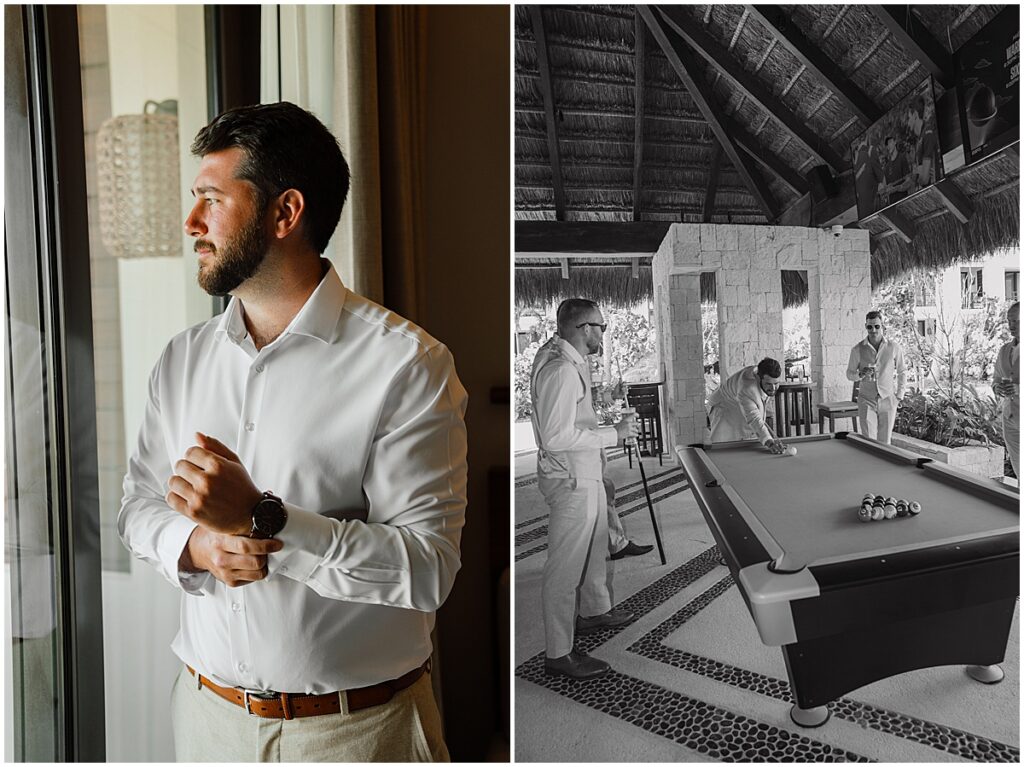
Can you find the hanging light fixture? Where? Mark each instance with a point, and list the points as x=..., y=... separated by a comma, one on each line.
x=140, y=182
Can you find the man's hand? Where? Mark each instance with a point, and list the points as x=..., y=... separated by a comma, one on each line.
x=626, y=429
x=212, y=487
x=777, y=446
x=232, y=559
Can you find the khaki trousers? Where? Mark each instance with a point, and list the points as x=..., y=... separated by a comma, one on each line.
x=1011, y=436
x=877, y=418
x=617, y=539
x=577, y=558
x=209, y=729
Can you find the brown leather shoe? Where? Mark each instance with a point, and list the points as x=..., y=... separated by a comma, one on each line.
x=606, y=620
x=632, y=550
x=576, y=665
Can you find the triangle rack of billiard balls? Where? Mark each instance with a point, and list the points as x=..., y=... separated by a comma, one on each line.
x=877, y=507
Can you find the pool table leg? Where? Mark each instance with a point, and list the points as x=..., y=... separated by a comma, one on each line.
x=985, y=674
x=810, y=717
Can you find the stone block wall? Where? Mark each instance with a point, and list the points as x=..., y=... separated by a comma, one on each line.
x=747, y=262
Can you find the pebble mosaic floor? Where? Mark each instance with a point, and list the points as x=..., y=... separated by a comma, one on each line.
x=715, y=732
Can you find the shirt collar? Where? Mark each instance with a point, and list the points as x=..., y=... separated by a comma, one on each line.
x=570, y=351
x=317, y=318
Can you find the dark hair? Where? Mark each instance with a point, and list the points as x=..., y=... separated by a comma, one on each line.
x=571, y=310
x=285, y=147
x=769, y=367
x=874, y=314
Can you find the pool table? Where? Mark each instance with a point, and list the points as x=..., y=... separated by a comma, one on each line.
x=853, y=602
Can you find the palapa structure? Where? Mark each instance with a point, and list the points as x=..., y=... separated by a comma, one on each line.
x=740, y=114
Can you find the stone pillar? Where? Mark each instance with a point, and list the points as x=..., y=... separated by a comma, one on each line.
x=748, y=261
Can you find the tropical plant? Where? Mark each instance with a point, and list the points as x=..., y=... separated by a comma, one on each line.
x=956, y=419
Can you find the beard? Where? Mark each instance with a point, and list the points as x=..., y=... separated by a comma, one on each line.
x=236, y=261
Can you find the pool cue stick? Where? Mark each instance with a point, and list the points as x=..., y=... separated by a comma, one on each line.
x=650, y=506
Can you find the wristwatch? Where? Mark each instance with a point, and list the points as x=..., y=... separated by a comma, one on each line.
x=268, y=516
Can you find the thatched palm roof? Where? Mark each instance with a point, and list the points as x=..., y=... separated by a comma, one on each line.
x=722, y=113
x=617, y=284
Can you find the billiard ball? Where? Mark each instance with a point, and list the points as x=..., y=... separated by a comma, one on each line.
x=864, y=515
x=914, y=508
x=791, y=450
x=901, y=510
x=877, y=512
x=869, y=497
x=890, y=511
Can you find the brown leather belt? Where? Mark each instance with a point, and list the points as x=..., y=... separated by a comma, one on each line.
x=286, y=705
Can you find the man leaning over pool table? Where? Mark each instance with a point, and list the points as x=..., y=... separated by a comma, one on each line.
x=737, y=405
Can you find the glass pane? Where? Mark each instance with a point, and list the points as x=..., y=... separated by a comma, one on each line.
x=30, y=657
x=144, y=99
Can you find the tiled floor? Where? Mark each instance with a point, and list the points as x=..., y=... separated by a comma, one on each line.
x=692, y=681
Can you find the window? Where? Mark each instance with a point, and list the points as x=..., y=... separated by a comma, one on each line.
x=972, y=291
x=1012, y=282
x=926, y=328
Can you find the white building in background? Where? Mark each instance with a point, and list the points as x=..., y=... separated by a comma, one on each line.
x=962, y=289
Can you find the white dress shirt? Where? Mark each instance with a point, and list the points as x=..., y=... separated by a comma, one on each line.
x=1008, y=366
x=890, y=369
x=740, y=402
x=569, y=441
x=354, y=417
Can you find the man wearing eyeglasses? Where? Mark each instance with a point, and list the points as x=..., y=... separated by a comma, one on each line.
x=737, y=405
x=570, y=471
x=878, y=364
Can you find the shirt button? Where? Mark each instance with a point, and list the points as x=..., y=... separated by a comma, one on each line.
x=282, y=569
x=259, y=368
x=236, y=607
x=243, y=667
x=249, y=426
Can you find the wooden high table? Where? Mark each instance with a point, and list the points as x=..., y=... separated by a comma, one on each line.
x=793, y=408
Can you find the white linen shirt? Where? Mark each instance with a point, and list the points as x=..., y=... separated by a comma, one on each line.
x=1008, y=366
x=890, y=369
x=741, y=393
x=569, y=441
x=354, y=417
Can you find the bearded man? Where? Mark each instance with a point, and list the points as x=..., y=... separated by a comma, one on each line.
x=300, y=474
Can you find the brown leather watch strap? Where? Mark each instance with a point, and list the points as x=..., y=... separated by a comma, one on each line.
x=291, y=706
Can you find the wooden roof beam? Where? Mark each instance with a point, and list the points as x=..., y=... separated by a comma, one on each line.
x=955, y=200
x=779, y=23
x=548, y=94
x=768, y=159
x=719, y=58
x=904, y=228
x=916, y=40
x=684, y=64
x=638, y=109
x=712, y=188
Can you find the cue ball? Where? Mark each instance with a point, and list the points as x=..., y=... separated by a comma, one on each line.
x=914, y=508
x=790, y=451
x=877, y=512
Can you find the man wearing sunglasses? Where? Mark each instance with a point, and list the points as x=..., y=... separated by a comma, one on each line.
x=1007, y=387
x=878, y=364
x=737, y=405
x=570, y=471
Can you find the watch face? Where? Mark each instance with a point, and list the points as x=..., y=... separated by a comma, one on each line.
x=267, y=518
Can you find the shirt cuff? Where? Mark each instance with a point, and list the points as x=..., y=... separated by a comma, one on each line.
x=608, y=435
x=305, y=533
x=173, y=543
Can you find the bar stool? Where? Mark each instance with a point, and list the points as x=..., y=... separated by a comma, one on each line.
x=644, y=398
x=834, y=410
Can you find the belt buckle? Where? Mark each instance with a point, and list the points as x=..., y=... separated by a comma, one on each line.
x=246, y=694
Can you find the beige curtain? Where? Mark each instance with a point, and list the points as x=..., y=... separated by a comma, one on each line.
x=401, y=62
x=357, y=241
x=380, y=58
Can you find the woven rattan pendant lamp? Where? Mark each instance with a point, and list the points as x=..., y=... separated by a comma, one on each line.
x=140, y=182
